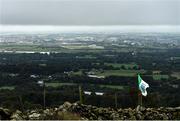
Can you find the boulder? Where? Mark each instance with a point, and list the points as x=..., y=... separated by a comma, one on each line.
x=34, y=115
x=18, y=115
x=4, y=114
x=65, y=106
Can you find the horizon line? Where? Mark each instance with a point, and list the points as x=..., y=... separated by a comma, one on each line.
x=89, y=28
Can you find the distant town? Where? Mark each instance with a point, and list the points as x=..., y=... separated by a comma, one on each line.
x=45, y=42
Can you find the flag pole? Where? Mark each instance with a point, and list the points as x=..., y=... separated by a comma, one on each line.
x=21, y=103
x=115, y=99
x=44, y=95
x=139, y=94
x=139, y=98
x=80, y=94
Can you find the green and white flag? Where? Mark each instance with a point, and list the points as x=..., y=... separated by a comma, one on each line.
x=142, y=86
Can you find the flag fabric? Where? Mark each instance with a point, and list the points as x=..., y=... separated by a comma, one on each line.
x=142, y=86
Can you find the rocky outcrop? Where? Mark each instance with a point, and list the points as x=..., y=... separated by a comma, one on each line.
x=140, y=113
x=77, y=111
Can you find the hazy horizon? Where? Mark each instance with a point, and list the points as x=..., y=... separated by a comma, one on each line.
x=115, y=28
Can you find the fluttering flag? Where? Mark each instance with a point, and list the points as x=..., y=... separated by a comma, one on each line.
x=142, y=86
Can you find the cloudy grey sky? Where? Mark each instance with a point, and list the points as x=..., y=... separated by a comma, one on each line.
x=90, y=12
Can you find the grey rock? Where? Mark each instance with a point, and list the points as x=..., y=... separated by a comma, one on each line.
x=114, y=116
x=4, y=114
x=18, y=115
x=65, y=106
x=34, y=116
x=140, y=108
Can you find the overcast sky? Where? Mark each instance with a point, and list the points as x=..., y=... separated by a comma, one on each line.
x=90, y=12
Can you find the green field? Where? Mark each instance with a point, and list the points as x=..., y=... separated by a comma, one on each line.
x=76, y=47
x=7, y=87
x=112, y=87
x=127, y=73
x=82, y=47
x=77, y=73
x=160, y=76
x=86, y=57
x=129, y=65
x=35, y=48
x=56, y=84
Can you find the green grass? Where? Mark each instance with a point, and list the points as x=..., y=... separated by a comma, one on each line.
x=35, y=48
x=156, y=72
x=86, y=57
x=160, y=76
x=81, y=47
x=127, y=73
x=7, y=87
x=75, y=46
x=112, y=87
x=77, y=73
x=56, y=84
x=128, y=65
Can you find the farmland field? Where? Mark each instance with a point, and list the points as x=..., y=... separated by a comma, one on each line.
x=112, y=87
x=7, y=87
x=128, y=65
x=56, y=84
x=127, y=73
x=160, y=76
